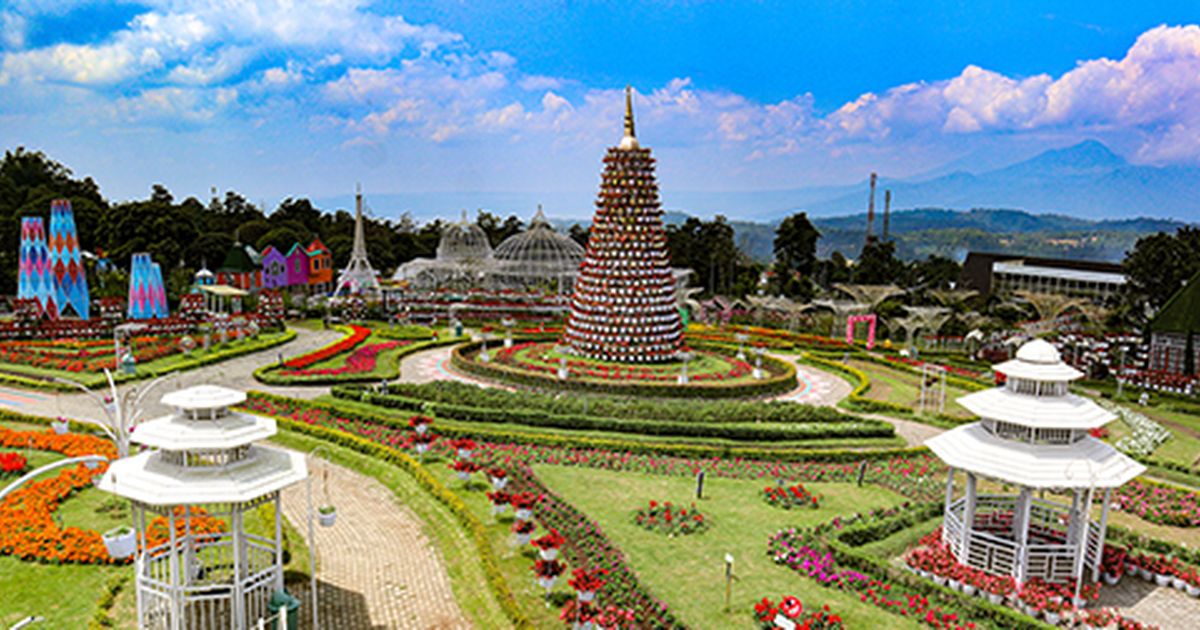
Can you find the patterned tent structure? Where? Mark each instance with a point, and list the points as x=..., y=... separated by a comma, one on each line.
x=624, y=306
x=36, y=280
x=70, y=277
x=147, y=299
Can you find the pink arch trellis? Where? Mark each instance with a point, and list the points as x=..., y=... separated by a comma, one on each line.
x=871, y=321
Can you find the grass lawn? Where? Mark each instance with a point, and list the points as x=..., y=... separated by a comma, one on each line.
x=687, y=572
x=903, y=388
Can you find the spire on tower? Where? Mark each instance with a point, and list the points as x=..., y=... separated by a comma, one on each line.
x=630, y=139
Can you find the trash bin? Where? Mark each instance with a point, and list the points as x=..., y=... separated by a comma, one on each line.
x=279, y=601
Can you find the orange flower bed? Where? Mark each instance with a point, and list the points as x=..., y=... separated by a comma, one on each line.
x=27, y=527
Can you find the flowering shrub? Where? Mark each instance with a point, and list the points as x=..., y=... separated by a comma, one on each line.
x=586, y=581
x=548, y=568
x=1159, y=504
x=667, y=519
x=358, y=334
x=11, y=463
x=361, y=361
x=1145, y=435
x=788, y=497
x=552, y=540
x=766, y=611
x=578, y=614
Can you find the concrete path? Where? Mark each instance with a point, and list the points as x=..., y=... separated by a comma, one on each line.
x=376, y=568
x=1138, y=599
x=816, y=387
x=237, y=373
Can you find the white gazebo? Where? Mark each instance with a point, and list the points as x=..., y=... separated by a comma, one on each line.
x=1033, y=434
x=204, y=456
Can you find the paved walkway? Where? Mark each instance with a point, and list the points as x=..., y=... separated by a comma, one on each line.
x=237, y=373
x=817, y=387
x=377, y=569
x=1166, y=608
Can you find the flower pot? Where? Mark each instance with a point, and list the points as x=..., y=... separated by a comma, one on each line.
x=939, y=580
x=968, y=589
x=1145, y=574
x=327, y=519
x=1053, y=618
x=1111, y=579
x=1162, y=580
x=499, y=483
x=1178, y=583
x=1130, y=569
x=421, y=428
x=464, y=453
x=995, y=598
x=587, y=596
x=954, y=584
x=120, y=544
x=464, y=475
x=524, y=514
x=548, y=554
x=1193, y=590
x=522, y=539
x=499, y=509
x=60, y=428
x=1078, y=602
x=421, y=448
x=547, y=582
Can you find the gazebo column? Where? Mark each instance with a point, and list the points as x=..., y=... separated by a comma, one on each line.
x=968, y=520
x=173, y=567
x=1021, y=531
x=278, y=541
x=1074, y=518
x=1081, y=547
x=1103, y=531
x=239, y=595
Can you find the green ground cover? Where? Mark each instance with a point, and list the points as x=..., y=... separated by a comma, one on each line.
x=904, y=388
x=687, y=572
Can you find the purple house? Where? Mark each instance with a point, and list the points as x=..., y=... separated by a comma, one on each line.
x=274, y=269
x=297, y=266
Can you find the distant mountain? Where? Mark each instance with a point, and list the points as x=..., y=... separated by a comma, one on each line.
x=1084, y=180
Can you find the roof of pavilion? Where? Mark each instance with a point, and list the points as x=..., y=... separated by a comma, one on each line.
x=1043, y=412
x=146, y=478
x=1082, y=464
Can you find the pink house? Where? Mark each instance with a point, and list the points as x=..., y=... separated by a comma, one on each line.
x=297, y=266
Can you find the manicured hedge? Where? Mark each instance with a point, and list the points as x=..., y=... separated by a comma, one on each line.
x=724, y=411
x=487, y=554
x=738, y=431
x=568, y=440
x=781, y=378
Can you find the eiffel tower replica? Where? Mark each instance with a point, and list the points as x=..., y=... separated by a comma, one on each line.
x=358, y=276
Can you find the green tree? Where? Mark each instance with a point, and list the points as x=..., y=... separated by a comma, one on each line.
x=796, y=245
x=1159, y=265
x=877, y=264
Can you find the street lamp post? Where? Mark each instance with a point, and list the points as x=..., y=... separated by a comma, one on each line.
x=123, y=414
x=312, y=544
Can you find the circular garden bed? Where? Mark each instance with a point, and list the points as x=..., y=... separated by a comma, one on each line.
x=713, y=372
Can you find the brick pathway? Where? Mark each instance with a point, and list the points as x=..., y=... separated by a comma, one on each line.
x=1166, y=608
x=817, y=387
x=377, y=569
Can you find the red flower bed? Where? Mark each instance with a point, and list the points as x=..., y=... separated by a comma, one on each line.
x=767, y=611
x=671, y=520
x=361, y=361
x=11, y=463
x=791, y=497
x=358, y=334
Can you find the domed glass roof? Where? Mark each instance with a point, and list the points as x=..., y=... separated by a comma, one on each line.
x=540, y=249
x=464, y=241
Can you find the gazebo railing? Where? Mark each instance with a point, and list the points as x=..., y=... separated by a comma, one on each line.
x=1053, y=563
x=992, y=553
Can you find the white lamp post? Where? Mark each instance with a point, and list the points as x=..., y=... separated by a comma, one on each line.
x=683, y=374
x=123, y=413
x=312, y=545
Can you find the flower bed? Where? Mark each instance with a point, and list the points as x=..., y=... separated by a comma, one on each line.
x=1160, y=504
x=766, y=612
x=671, y=520
x=361, y=361
x=791, y=497
x=11, y=464
x=354, y=336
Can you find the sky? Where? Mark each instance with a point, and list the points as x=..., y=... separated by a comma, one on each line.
x=305, y=98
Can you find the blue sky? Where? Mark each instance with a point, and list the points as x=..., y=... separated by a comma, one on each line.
x=305, y=98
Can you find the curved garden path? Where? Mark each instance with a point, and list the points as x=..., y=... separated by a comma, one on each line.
x=377, y=569
x=237, y=372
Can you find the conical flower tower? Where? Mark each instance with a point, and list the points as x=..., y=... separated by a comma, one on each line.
x=623, y=308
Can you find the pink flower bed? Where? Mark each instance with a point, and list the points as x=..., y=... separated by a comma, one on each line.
x=361, y=361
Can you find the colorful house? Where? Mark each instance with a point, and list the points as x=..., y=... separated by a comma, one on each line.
x=274, y=269
x=320, y=267
x=241, y=269
x=297, y=266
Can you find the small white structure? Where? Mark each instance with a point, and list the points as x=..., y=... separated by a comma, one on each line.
x=358, y=277
x=204, y=456
x=1033, y=435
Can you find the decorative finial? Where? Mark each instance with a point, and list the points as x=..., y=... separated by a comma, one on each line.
x=630, y=139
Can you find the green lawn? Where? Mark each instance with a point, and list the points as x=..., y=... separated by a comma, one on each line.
x=904, y=388
x=687, y=572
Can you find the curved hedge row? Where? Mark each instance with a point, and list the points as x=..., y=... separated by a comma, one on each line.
x=737, y=431
x=567, y=440
x=723, y=410
x=781, y=378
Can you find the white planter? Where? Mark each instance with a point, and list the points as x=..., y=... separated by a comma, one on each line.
x=421, y=448
x=464, y=453
x=1079, y=602
x=121, y=546
x=499, y=509
x=1053, y=618
x=968, y=589
x=995, y=598
x=1178, y=583
x=548, y=554
x=1131, y=569
x=1193, y=590
x=60, y=428
x=421, y=428
x=939, y=580
x=1111, y=580
x=1145, y=574
x=327, y=520
x=547, y=583
x=464, y=475
x=954, y=584
x=1162, y=580
x=587, y=596
x=522, y=539
x=499, y=484
x=524, y=514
